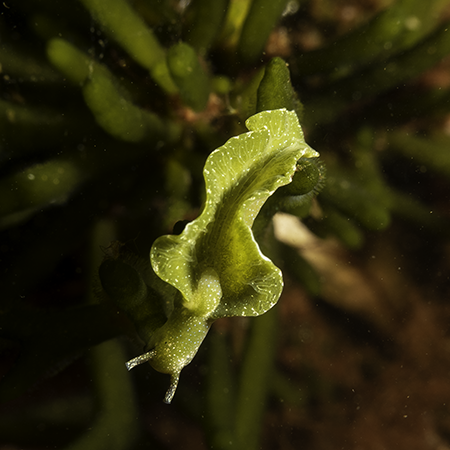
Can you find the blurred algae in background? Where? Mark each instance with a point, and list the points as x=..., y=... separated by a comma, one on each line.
x=108, y=112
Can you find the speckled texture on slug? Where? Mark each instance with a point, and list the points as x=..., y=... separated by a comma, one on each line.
x=239, y=177
x=216, y=263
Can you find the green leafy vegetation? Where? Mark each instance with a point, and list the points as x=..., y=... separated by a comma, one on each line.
x=155, y=178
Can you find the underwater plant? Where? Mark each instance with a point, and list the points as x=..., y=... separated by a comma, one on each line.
x=119, y=119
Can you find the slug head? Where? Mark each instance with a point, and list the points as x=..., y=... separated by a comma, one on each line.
x=174, y=345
